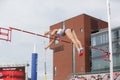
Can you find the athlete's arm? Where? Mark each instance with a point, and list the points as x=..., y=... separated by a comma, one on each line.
x=51, y=42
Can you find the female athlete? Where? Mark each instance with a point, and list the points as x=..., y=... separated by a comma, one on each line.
x=70, y=33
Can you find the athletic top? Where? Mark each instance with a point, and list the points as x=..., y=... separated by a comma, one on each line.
x=60, y=32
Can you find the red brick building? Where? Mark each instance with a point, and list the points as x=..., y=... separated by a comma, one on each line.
x=65, y=62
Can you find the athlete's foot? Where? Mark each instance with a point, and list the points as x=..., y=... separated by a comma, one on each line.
x=80, y=53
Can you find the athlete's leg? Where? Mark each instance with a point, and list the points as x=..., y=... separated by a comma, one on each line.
x=53, y=31
x=80, y=49
x=71, y=37
x=76, y=38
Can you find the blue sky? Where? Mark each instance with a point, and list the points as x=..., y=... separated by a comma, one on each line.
x=37, y=16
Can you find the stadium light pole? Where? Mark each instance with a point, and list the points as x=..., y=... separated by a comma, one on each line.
x=110, y=39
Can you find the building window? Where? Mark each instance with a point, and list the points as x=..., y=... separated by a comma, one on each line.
x=119, y=33
x=81, y=29
x=94, y=25
x=104, y=38
x=55, y=69
x=101, y=41
x=93, y=41
x=115, y=35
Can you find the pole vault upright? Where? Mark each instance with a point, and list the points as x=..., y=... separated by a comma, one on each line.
x=110, y=39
